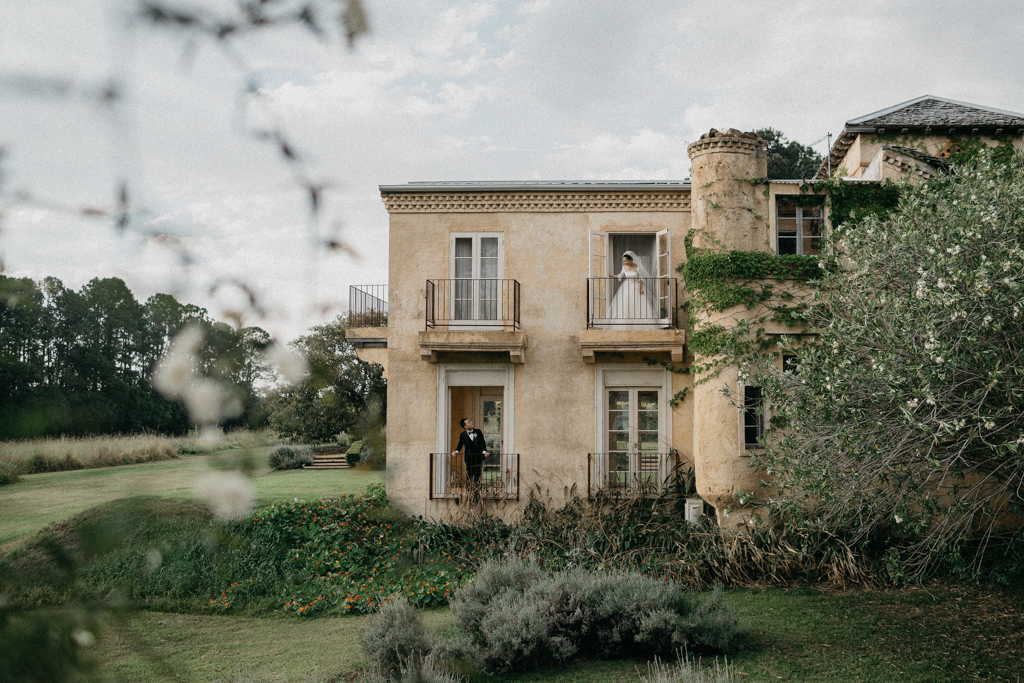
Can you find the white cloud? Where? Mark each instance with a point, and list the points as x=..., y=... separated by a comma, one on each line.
x=440, y=90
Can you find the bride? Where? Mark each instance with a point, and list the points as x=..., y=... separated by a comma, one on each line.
x=633, y=300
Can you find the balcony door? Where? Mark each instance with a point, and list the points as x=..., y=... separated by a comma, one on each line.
x=654, y=252
x=476, y=271
x=634, y=435
x=633, y=427
x=483, y=392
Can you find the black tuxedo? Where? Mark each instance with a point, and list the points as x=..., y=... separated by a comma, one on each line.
x=475, y=448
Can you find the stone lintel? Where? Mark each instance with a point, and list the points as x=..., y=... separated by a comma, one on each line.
x=433, y=342
x=672, y=341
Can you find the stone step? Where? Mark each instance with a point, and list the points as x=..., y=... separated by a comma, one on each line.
x=327, y=462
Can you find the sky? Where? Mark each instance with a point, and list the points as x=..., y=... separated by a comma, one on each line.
x=438, y=90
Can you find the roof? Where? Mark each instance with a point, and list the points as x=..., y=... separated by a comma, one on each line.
x=922, y=114
x=538, y=186
x=932, y=111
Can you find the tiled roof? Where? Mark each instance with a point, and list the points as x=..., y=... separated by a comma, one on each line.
x=923, y=114
x=937, y=111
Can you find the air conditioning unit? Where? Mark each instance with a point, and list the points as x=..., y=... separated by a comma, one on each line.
x=694, y=510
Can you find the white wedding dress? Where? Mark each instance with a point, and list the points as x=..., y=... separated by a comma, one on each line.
x=629, y=304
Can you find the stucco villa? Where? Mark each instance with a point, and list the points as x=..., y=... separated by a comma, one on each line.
x=509, y=303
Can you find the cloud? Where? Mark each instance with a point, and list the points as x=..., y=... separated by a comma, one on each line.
x=440, y=90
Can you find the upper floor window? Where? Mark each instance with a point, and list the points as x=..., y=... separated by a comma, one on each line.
x=799, y=228
x=476, y=289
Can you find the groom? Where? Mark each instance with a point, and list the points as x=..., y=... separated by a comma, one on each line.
x=476, y=450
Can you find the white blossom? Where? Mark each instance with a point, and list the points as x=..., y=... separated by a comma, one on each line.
x=229, y=494
x=176, y=370
x=82, y=637
x=292, y=365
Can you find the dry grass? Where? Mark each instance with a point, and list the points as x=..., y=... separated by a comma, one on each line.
x=63, y=454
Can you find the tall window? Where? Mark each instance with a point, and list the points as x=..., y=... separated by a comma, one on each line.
x=753, y=416
x=476, y=273
x=799, y=228
x=633, y=436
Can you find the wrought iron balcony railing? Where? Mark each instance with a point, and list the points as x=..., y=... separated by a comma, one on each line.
x=499, y=477
x=629, y=473
x=632, y=303
x=473, y=304
x=368, y=306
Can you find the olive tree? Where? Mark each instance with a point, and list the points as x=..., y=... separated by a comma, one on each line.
x=904, y=415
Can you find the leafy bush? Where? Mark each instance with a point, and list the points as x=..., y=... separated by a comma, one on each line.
x=525, y=619
x=343, y=555
x=289, y=457
x=395, y=638
x=354, y=453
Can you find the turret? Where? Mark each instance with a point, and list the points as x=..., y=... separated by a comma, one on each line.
x=729, y=208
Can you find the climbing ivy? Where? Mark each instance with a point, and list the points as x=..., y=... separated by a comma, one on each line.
x=718, y=279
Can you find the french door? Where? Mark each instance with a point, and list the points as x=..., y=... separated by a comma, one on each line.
x=476, y=276
x=634, y=429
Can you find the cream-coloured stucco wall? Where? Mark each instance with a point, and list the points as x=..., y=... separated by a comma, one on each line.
x=549, y=254
x=867, y=145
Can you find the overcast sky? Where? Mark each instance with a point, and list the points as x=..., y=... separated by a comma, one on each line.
x=440, y=90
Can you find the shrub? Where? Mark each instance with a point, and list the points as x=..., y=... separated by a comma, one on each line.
x=523, y=618
x=395, y=638
x=8, y=473
x=353, y=454
x=289, y=457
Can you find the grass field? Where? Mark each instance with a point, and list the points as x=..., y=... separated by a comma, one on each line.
x=179, y=647
x=942, y=635
x=41, y=499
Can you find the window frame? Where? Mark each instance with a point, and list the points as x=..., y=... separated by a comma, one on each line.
x=473, y=321
x=761, y=418
x=799, y=237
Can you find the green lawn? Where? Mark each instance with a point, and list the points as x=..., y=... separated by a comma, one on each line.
x=42, y=499
x=185, y=647
x=942, y=635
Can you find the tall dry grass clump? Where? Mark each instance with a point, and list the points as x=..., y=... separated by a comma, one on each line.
x=67, y=453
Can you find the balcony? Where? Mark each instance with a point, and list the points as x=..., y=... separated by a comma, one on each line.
x=647, y=303
x=368, y=306
x=472, y=316
x=499, y=479
x=629, y=473
x=473, y=304
x=623, y=319
x=367, y=329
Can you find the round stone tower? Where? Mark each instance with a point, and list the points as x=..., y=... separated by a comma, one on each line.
x=729, y=211
x=727, y=191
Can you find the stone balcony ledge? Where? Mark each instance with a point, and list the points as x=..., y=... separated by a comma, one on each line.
x=671, y=341
x=367, y=337
x=433, y=342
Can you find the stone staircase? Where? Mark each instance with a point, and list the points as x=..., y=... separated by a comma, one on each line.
x=328, y=459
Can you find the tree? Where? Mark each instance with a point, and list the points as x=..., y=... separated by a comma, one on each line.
x=788, y=159
x=905, y=417
x=334, y=395
x=80, y=362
